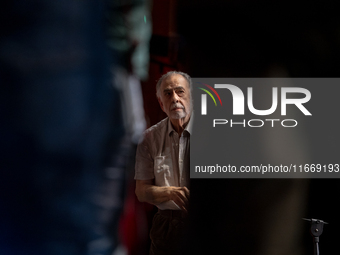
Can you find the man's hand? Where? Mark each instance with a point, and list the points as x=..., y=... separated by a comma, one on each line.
x=146, y=191
x=180, y=195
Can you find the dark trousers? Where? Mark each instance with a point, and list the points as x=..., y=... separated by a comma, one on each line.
x=168, y=232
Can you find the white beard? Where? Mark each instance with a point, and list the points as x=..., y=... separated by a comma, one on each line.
x=178, y=114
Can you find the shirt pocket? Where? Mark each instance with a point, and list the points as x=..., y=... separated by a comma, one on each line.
x=162, y=170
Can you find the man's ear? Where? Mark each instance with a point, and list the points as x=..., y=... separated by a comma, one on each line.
x=160, y=103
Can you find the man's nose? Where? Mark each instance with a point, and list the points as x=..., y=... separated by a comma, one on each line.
x=174, y=97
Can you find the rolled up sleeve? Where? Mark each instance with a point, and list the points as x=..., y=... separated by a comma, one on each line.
x=144, y=168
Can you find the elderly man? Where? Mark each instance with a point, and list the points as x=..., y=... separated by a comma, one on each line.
x=162, y=163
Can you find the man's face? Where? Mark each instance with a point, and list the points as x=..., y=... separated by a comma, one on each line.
x=175, y=97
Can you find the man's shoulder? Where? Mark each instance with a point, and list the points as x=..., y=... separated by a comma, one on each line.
x=156, y=131
x=159, y=127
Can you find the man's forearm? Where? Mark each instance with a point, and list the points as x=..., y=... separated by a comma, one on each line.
x=154, y=194
x=146, y=191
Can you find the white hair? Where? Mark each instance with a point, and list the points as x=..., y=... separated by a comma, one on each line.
x=168, y=74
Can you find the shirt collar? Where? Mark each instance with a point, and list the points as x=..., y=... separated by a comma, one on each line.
x=188, y=128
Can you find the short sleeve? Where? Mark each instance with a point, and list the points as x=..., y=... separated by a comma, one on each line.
x=144, y=167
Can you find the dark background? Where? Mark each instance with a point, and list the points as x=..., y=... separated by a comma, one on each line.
x=57, y=140
x=253, y=39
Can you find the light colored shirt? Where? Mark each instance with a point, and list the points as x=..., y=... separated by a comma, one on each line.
x=163, y=155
